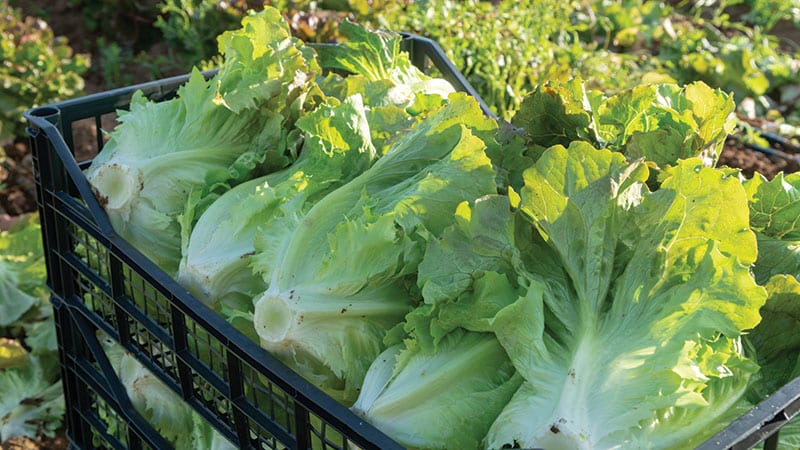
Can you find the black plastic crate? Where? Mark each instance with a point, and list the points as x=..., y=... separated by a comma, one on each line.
x=247, y=395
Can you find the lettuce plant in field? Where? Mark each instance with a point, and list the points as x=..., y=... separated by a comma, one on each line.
x=438, y=396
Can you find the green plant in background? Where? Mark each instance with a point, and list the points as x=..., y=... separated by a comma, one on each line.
x=768, y=13
x=128, y=22
x=36, y=68
x=121, y=68
x=761, y=13
x=744, y=61
x=31, y=400
x=191, y=27
x=506, y=49
x=502, y=49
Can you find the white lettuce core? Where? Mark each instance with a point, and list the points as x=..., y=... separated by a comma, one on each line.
x=117, y=184
x=273, y=317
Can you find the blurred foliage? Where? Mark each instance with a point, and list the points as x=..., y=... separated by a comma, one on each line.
x=31, y=400
x=507, y=48
x=127, y=22
x=761, y=13
x=36, y=68
x=119, y=66
x=191, y=26
x=745, y=61
x=504, y=48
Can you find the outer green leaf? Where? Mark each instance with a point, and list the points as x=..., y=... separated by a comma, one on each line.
x=373, y=54
x=775, y=341
x=215, y=263
x=468, y=275
x=214, y=133
x=645, y=351
x=575, y=213
x=338, y=281
x=774, y=212
x=447, y=398
x=659, y=122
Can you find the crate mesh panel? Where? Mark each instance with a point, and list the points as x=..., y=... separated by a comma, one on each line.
x=95, y=299
x=269, y=399
x=159, y=353
x=105, y=422
x=261, y=438
x=213, y=399
x=91, y=252
x=153, y=303
x=324, y=436
x=207, y=349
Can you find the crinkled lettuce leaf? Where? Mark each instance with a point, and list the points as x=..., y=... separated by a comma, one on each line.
x=377, y=68
x=639, y=343
x=162, y=407
x=659, y=122
x=215, y=132
x=774, y=211
x=216, y=260
x=340, y=279
x=445, y=397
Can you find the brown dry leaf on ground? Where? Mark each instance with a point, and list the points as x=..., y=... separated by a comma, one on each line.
x=23, y=443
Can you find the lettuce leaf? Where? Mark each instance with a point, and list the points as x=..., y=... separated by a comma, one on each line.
x=445, y=397
x=777, y=346
x=339, y=279
x=659, y=122
x=216, y=260
x=215, y=132
x=774, y=209
x=643, y=342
